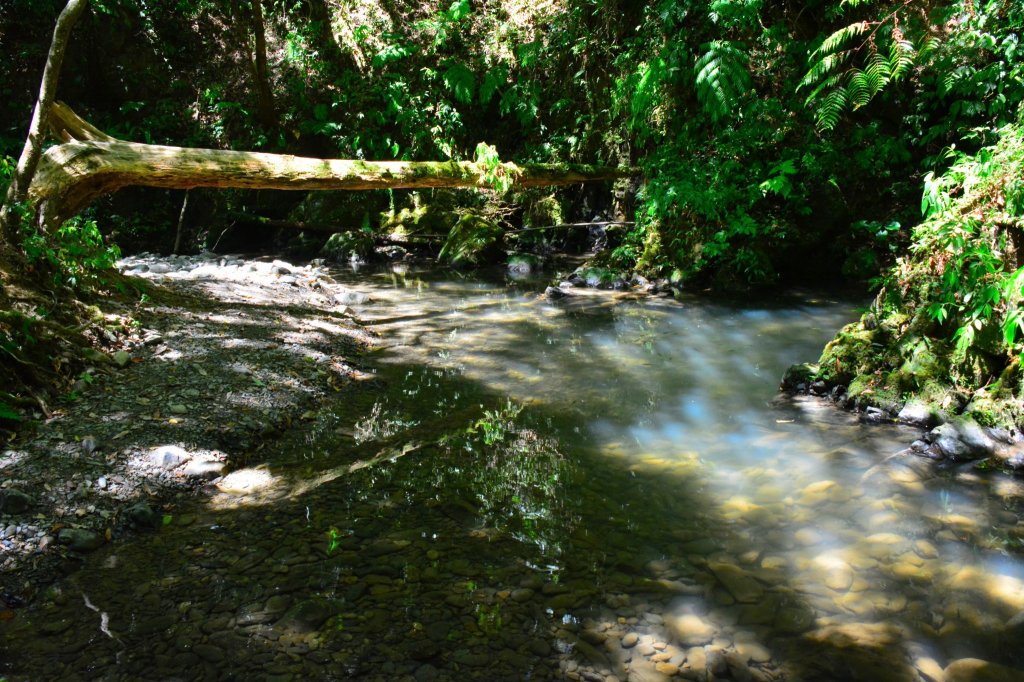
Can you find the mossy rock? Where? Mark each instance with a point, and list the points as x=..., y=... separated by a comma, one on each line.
x=524, y=263
x=598, y=277
x=474, y=240
x=427, y=213
x=544, y=212
x=922, y=362
x=420, y=220
x=850, y=353
x=803, y=373
x=867, y=390
x=345, y=246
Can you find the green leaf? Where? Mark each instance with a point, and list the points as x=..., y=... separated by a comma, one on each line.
x=493, y=80
x=460, y=80
x=901, y=59
x=9, y=413
x=459, y=10
x=721, y=78
x=834, y=41
x=831, y=108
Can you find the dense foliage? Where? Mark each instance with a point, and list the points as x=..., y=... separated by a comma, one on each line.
x=775, y=141
x=947, y=324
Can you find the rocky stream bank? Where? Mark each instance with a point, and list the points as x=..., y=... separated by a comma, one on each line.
x=234, y=352
x=398, y=574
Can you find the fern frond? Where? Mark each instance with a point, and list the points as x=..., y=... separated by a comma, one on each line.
x=460, y=80
x=836, y=40
x=493, y=80
x=877, y=73
x=949, y=82
x=823, y=67
x=930, y=45
x=830, y=108
x=860, y=89
x=722, y=77
x=901, y=59
x=828, y=83
x=652, y=77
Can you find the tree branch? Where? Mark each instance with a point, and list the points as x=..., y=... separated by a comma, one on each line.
x=30, y=154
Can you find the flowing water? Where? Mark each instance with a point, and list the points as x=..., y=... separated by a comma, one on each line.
x=600, y=488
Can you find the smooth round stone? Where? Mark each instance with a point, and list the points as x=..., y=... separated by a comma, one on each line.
x=522, y=594
x=630, y=639
x=908, y=570
x=750, y=649
x=860, y=585
x=817, y=493
x=808, y=537
x=692, y=630
x=1006, y=517
x=697, y=659
x=926, y=549
x=208, y=652
x=839, y=578
x=977, y=670
x=769, y=493
x=881, y=520
x=743, y=587
x=882, y=545
x=885, y=602
x=794, y=620
x=930, y=668
x=856, y=603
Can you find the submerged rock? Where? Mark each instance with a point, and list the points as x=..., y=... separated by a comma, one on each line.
x=308, y=615
x=977, y=670
x=743, y=587
x=13, y=501
x=554, y=293
x=80, y=539
x=143, y=515
x=961, y=440
x=918, y=413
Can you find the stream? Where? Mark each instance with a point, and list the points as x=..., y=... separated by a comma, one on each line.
x=599, y=488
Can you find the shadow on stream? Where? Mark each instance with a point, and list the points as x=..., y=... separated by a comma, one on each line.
x=605, y=489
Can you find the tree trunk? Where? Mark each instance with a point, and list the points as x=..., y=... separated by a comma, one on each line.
x=91, y=163
x=264, y=97
x=30, y=154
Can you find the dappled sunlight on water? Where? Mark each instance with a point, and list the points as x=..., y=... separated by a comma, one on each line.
x=874, y=541
x=603, y=488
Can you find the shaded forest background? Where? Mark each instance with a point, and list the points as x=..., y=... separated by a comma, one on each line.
x=831, y=141
x=769, y=153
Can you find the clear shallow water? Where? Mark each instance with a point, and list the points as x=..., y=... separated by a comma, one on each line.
x=600, y=488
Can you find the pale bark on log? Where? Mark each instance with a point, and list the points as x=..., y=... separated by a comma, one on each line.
x=30, y=154
x=91, y=163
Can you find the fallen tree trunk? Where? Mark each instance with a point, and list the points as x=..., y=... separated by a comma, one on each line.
x=30, y=154
x=91, y=163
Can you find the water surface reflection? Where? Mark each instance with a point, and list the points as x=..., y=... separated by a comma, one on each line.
x=600, y=488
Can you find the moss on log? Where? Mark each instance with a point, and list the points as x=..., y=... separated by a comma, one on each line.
x=91, y=163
